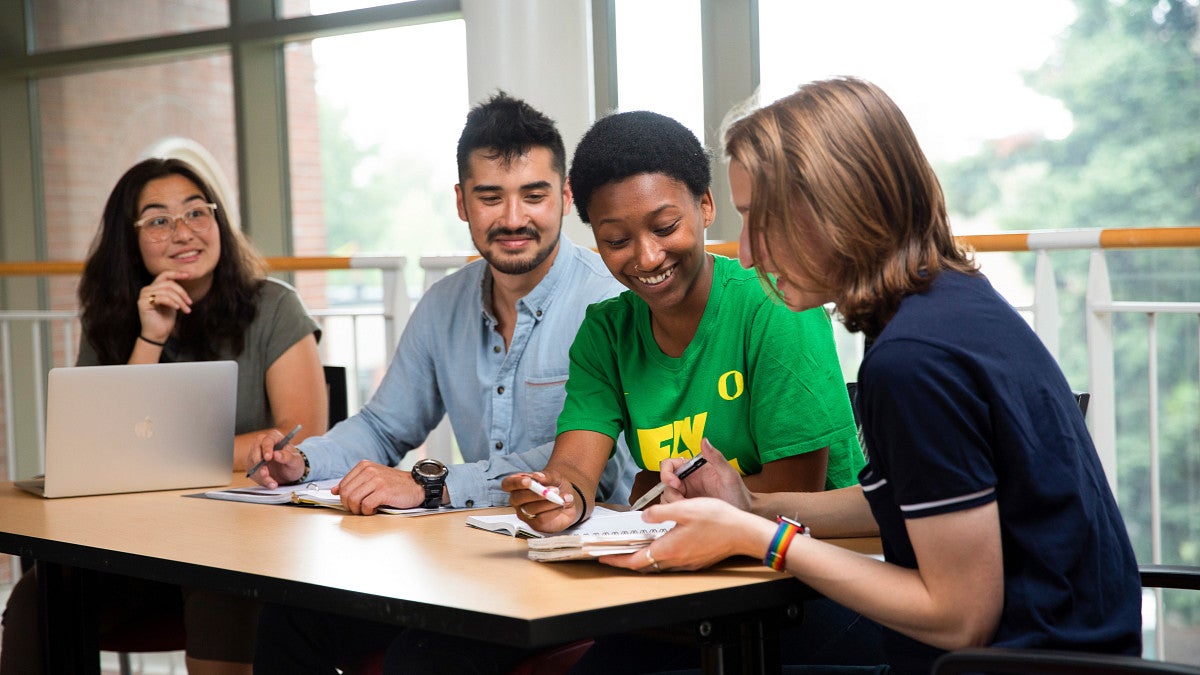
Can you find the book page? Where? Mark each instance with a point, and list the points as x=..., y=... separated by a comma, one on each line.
x=603, y=521
x=627, y=537
x=262, y=495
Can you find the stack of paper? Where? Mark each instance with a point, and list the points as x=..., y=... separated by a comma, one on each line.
x=607, y=532
x=587, y=546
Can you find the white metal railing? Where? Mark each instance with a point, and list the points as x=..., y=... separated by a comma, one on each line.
x=26, y=334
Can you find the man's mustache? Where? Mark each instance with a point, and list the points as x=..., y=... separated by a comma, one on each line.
x=496, y=233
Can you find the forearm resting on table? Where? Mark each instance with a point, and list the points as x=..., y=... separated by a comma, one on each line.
x=831, y=513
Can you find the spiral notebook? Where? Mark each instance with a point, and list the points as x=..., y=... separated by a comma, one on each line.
x=606, y=532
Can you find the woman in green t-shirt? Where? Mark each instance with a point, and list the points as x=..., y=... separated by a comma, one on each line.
x=695, y=349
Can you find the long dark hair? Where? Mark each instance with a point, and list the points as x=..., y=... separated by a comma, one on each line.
x=837, y=163
x=115, y=273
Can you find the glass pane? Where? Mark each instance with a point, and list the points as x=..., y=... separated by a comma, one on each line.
x=61, y=24
x=96, y=125
x=373, y=124
x=958, y=106
x=660, y=59
x=954, y=68
x=290, y=8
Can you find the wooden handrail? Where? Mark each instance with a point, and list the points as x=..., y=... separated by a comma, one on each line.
x=1033, y=240
x=277, y=264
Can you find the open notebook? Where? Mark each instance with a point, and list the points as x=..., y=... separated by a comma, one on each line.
x=315, y=493
x=607, y=532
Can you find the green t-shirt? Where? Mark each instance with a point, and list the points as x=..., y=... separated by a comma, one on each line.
x=760, y=381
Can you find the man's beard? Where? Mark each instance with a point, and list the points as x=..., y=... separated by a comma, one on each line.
x=518, y=266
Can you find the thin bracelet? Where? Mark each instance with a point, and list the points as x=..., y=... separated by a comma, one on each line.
x=304, y=476
x=583, y=501
x=146, y=339
x=776, y=557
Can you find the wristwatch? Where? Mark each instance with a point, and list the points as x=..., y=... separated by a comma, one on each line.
x=431, y=474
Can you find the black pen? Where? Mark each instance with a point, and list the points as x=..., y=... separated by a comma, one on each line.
x=684, y=471
x=278, y=446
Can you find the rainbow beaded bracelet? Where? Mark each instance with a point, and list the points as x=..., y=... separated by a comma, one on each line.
x=776, y=557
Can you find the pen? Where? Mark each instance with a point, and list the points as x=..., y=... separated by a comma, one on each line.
x=684, y=471
x=546, y=492
x=278, y=446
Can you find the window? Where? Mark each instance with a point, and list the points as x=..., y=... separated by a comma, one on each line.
x=62, y=24
x=378, y=142
x=96, y=125
x=659, y=60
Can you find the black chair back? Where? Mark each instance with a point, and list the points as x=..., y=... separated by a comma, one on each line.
x=335, y=387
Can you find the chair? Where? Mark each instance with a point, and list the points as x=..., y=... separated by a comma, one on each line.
x=335, y=387
x=852, y=391
x=165, y=632
x=999, y=660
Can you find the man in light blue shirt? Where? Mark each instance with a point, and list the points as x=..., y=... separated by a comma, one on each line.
x=487, y=345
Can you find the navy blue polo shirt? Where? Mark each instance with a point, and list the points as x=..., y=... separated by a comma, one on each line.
x=962, y=405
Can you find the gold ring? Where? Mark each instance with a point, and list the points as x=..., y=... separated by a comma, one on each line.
x=151, y=299
x=525, y=513
x=653, y=562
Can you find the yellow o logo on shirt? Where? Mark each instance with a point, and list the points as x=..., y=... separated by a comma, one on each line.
x=731, y=385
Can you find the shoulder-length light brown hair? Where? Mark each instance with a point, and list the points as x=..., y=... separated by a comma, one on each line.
x=839, y=157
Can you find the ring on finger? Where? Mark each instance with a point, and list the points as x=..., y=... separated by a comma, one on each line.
x=151, y=299
x=653, y=562
x=525, y=513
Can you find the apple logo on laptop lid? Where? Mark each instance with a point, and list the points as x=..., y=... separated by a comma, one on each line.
x=144, y=429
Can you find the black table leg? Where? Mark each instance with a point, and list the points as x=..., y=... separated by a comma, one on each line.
x=746, y=643
x=70, y=643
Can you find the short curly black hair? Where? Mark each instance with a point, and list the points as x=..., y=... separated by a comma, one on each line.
x=632, y=143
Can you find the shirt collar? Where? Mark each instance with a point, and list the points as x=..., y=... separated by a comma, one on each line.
x=538, y=300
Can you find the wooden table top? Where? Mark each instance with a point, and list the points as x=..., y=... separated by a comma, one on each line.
x=431, y=571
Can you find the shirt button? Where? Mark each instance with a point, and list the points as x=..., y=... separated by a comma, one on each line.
x=539, y=312
x=499, y=445
x=499, y=390
x=470, y=503
x=496, y=349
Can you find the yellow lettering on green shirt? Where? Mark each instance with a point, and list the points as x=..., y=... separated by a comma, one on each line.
x=731, y=385
x=689, y=431
x=655, y=445
x=681, y=437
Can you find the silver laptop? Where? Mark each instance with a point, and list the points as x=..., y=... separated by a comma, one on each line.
x=135, y=428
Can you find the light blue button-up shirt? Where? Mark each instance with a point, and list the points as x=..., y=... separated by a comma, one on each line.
x=503, y=405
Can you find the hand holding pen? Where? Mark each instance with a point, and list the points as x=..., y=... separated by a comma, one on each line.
x=718, y=479
x=279, y=446
x=682, y=471
x=540, y=499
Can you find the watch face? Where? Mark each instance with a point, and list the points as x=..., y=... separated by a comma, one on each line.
x=430, y=469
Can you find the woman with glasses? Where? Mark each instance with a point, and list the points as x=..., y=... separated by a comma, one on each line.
x=168, y=279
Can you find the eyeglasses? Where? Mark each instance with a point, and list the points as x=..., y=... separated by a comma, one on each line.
x=160, y=226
